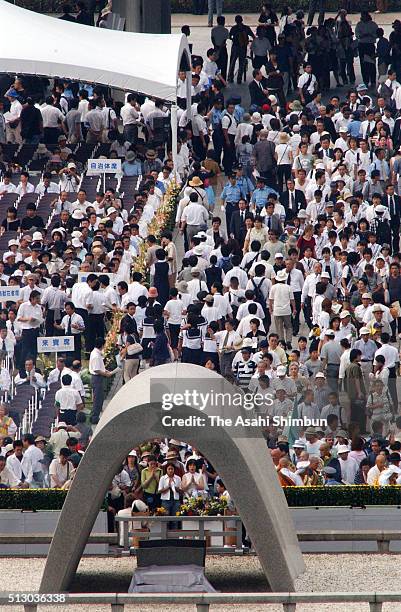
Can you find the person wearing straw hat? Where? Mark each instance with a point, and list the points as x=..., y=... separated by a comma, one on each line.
x=282, y=305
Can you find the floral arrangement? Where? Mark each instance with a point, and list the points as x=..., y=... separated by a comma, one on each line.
x=111, y=345
x=198, y=506
x=163, y=219
x=160, y=511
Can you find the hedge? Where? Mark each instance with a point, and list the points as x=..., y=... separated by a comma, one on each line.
x=230, y=6
x=53, y=499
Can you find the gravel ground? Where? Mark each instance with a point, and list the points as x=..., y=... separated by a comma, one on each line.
x=344, y=573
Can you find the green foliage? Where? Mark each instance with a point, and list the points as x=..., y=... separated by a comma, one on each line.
x=297, y=497
x=32, y=499
x=358, y=495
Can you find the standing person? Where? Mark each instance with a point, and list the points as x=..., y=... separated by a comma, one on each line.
x=366, y=35
x=214, y=5
x=240, y=35
x=96, y=306
x=131, y=355
x=282, y=305
x=264, y=158
x=307, y=84
x=331, y=357
x=98, y=372
x=83, y=16
x=392, y=202
x=161, y=276
x=130, y=115
x=160, y=346
x=73, y=325
x=68, y=401
x=356, y=389
x=229, y=126
x=30, y=317
x=346, y=48
x=220, y=35
x=53, y=300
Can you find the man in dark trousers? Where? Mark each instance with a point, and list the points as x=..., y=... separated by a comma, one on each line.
x=240, y=35
x=292, y=200
x=258, y=89
x=264, y=160
x=393, y=202
x=314, y=6
x=237, y=224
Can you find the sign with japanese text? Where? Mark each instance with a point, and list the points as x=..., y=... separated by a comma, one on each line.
x=104, y=166
x=55, y=344
x=9, y=294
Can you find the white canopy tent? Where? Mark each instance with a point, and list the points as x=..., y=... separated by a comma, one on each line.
x=35, y=44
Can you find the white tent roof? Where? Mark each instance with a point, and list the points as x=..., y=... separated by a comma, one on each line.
x=34, y=44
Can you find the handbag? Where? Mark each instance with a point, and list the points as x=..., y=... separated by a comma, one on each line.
x=135, y=349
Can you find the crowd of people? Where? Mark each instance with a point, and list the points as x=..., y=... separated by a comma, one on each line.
x=289, y=284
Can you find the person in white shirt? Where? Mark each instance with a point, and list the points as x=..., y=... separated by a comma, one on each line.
x=282, y=304
x=349, y=466
x=98, y=372
x=20, y=464
x=30, y=376
x=68, y=401
x=30, y=317
x=47, y=185
x=52, y=121
x=24, y=186
x=6, y=186
x=130, y=118
x=12, y=118
x=81, y=203
x=193, y=483
x=7, y=477
x=170, y=489
x=60, y=469
x=36, y=456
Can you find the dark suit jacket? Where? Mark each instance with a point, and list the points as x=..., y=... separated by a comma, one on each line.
x=257, y=96
x=237, y=228
x=300, y=202
x=397, y=200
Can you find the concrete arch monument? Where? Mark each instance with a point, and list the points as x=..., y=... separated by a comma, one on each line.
x=139, y=412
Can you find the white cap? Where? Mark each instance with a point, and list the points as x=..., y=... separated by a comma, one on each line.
x=325, y=275
x=364, y=330
x=320, y=375
x=76, y=234
x=329, y=332
x=71, y=165
x=37, y=236
x=8, y=254
x=78, y=214
x=278, y=255
x=13, y=242
x=343, y=130
x=76, y=243
x=377, y=308
x=342, y=448
x=111, y=210
x=281, y=370
x=344, y=314
x=302, y=214
x=366, y=296
x=380, y=208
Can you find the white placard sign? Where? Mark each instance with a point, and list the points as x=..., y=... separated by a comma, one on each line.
x=83, y=276
x=104, y=166
x=9, y=294
x=55, y=344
